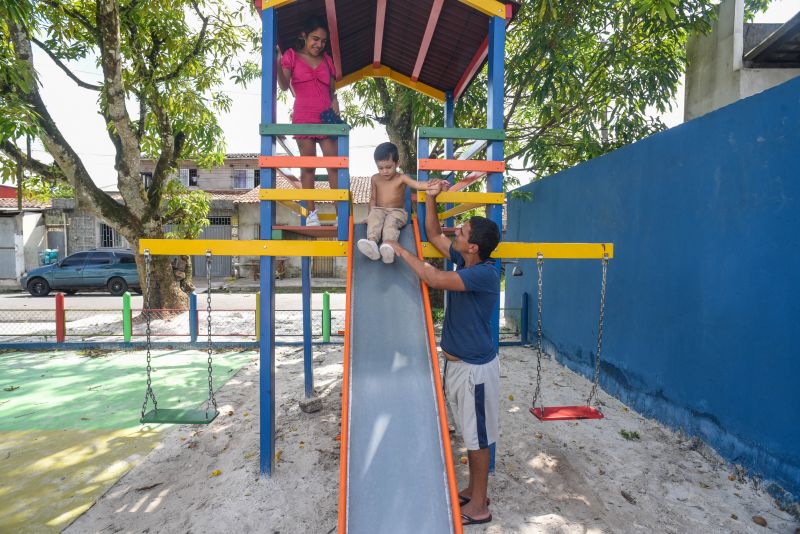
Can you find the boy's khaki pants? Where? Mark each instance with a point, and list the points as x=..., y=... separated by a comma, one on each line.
x=385, y=223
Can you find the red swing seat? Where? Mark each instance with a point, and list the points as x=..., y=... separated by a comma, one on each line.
x=566, y=413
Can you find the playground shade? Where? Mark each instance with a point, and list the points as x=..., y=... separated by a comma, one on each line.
x=396, y=474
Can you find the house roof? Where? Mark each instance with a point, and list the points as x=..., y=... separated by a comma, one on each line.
x=10, y=204
x=429, y=45
x=359, y=187
x=781, y=48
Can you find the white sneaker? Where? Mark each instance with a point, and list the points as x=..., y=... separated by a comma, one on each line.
x=369, y=249
x=312, y=219
x=387, y=253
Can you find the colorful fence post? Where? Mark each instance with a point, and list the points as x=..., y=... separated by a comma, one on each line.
x=258, y=315
x=326, y=317
x=61, y=320
x=193, y=316
x=126, y=317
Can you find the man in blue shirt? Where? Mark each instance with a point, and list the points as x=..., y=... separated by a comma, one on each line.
x=472, y=372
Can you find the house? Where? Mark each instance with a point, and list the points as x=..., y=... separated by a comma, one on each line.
x=738, y=59
x=22, y=237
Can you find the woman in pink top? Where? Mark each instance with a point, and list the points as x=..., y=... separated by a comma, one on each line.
x=310, y=72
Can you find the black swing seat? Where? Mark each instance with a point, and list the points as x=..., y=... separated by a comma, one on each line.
x=179, y=416
x=566, y=413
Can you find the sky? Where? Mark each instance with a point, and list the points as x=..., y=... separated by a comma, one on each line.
x=75, y=111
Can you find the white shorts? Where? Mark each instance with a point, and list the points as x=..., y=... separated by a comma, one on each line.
x=473, y=392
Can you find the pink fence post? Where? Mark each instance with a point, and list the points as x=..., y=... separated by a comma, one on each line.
x=61, y=322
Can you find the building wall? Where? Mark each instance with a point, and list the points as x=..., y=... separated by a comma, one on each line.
x=34, y=239
x=715, y=75
x=216, y=178
x=703, y=300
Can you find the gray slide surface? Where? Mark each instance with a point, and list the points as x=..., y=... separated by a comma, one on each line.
x=397, y=477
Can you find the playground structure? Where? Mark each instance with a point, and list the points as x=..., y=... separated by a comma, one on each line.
x=439, y=72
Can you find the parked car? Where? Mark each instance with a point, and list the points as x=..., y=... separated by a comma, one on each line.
x=113, y=270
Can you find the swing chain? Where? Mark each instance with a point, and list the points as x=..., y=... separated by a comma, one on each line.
x=149, y=393
x=604, y=263
x=539, y=269
x=211, y=399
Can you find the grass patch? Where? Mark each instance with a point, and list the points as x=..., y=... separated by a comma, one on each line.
x=630, y=435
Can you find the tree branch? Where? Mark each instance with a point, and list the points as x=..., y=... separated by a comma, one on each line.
x=73, y=14
x=195, y=49
x=63, y=67
x=32, y=164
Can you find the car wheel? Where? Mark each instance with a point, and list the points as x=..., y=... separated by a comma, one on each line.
x=38, y=287
x=70, y=291
x=117, y=286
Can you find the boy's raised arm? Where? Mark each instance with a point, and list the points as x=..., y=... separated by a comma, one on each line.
x=414, y=184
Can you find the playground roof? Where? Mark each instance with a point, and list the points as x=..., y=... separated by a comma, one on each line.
x=432, y=46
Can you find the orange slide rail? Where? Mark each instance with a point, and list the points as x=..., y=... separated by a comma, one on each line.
x=448, y=454
x=343, y=459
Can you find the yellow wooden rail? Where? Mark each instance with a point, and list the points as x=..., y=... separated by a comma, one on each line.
x=489, y=7
x=550, y=251
x=295, y=207
x=458, y=210
x=304, y=194
x=457, y=197
x=254, y=247
x=385, y=72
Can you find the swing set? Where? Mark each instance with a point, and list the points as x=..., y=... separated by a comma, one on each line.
x=440, y=71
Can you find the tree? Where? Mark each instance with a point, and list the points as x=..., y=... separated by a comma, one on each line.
x=164, y=58
x=581, y=80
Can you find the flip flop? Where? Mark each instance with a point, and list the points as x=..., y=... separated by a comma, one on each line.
x=463, y=500
x=467, y=520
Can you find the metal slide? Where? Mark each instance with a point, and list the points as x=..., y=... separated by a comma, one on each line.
x=394, y=471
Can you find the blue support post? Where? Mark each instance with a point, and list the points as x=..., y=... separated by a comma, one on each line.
x=193, y=316
x=343, y=217
x=523, y=320
x=494, y=120
x=308, y=353
x=449, y=153
x=266, y=341
x=423, y=151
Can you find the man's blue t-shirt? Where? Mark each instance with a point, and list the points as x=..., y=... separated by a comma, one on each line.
x=467, y=330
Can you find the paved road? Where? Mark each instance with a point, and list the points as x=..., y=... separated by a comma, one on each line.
x=104, y=301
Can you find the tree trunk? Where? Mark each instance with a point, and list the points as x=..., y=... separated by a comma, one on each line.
x=165, y=291
x=400, y=127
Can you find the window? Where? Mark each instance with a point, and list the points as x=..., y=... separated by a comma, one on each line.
x=98, y=258
x=184, y=176
x=219, y=221
x=74, y=260
x=243, y=178
x=192, y=176
x=256, y=177
x=108, y=237
x=147, y=177
x=126, y=258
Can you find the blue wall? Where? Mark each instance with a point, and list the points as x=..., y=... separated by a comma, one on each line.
x=703, y=305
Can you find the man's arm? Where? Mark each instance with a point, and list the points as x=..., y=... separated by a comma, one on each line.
x=433, y=277
x=433, y=228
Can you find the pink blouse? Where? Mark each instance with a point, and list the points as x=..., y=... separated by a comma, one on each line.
x=312, y=86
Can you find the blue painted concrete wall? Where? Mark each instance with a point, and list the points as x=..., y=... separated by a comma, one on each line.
x=703, y=306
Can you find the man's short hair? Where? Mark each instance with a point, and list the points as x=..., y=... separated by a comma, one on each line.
x=484, y=233
x=387, y=151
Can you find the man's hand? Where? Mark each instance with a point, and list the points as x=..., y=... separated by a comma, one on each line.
x=398, y=249
x=437, y=186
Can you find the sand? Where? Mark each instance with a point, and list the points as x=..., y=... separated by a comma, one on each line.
x=581, y=477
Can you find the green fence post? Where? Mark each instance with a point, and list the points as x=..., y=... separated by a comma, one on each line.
x=326, y=317
x=126, y=317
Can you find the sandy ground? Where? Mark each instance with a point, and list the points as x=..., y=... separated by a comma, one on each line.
x=581, y=477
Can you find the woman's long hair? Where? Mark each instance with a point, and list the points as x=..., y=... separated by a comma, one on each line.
x=312, y=23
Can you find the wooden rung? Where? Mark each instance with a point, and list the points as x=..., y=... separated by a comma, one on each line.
x=426, y=164
x=303, y=162
x=458, y=210
x=304, y=194
x=295, y=207
x=483, y=134
x=457, y=197
x=327, y=216
x=328, y=130
x=311, y=231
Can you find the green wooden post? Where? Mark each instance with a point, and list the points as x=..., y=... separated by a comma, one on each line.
x=126, y=316
x=326, y=317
